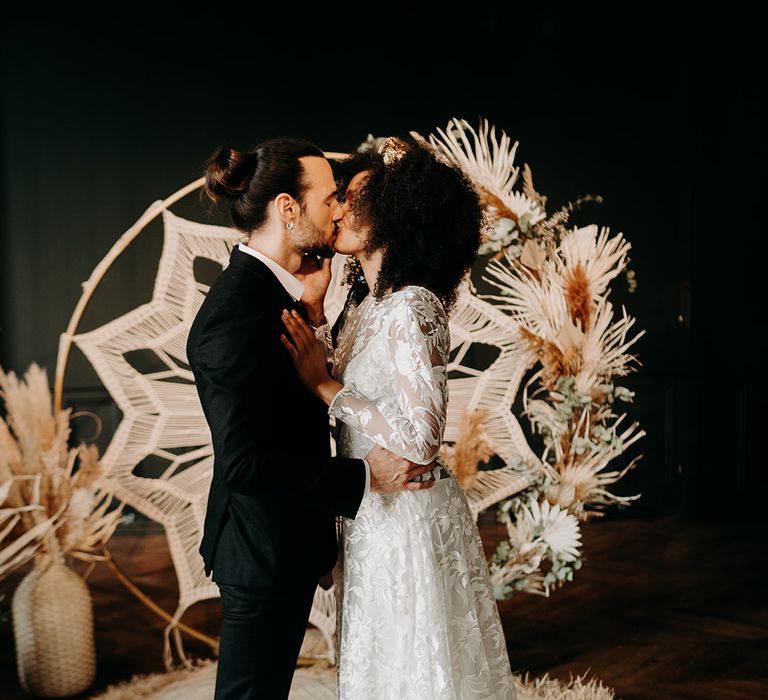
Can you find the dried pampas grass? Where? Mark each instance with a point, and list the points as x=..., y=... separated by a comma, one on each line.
x=472, y=447
x=578, y=296
x=54, y=498
x=27, y=544
x=546, y=688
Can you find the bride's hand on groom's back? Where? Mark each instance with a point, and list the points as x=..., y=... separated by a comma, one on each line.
x=391, y=473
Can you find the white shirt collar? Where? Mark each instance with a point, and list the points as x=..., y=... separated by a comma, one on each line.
x=293, y=286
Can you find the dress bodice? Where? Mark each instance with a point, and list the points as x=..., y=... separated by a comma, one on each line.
x=391, y=356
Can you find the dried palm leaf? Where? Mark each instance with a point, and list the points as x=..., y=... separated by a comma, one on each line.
x=489, y=162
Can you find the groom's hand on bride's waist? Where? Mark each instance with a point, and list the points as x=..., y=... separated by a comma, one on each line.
x=391, y=473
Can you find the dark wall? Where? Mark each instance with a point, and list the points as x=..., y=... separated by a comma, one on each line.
x=102, y=117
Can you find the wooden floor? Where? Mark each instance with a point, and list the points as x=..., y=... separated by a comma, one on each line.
x=664, y=608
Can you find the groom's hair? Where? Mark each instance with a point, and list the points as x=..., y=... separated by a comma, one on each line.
x=422, y=212
x=251, y=180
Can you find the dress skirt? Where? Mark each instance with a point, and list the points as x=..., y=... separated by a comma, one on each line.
x=418, y=619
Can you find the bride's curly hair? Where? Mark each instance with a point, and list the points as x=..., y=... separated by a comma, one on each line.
x=422, y=212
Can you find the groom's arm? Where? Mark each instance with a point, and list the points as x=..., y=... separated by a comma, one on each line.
x=240, y=371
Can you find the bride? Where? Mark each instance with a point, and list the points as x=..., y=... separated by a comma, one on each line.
x=417, y=618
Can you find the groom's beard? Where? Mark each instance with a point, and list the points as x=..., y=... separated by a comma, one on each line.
x=312, y=241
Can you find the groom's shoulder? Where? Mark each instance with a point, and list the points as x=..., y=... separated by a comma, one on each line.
x=236, y=284
x=231, y=295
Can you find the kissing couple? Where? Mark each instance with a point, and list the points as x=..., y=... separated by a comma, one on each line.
x=417, y=615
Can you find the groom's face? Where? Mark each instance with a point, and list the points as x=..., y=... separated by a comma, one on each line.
x=317, y=225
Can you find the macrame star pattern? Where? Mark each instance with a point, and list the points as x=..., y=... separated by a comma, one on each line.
x=162, y=416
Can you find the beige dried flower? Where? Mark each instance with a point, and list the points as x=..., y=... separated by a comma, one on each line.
x=54, y=496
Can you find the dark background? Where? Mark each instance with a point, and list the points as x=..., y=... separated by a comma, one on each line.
x=102, y=115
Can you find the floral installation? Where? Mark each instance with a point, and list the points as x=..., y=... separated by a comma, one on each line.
x=554, y=281
x=53, y=498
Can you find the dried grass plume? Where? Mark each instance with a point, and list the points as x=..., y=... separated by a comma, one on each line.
x=472, y=447
x=54, y=499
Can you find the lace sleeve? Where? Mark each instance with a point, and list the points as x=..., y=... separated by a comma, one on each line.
x=323, y=335
x=408, y=417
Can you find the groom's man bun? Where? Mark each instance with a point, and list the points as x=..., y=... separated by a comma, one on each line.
x=227, y=173
x=250, y=180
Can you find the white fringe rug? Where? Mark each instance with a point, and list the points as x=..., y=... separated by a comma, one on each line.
x=319, y=683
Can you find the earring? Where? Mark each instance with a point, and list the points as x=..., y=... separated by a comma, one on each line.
x=289, y=225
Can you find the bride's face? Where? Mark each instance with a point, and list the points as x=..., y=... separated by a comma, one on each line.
x=352, y=235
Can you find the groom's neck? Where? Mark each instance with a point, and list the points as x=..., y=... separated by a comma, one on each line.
x=276, y=248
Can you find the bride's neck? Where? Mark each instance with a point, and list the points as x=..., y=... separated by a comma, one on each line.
x=371, y=268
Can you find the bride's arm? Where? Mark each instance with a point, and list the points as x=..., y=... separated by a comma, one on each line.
x=410, y=420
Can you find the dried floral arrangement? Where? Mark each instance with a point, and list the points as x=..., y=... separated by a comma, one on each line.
x=554, y=282
x=54, y=500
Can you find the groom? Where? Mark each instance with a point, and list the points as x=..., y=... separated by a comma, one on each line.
x=269, y=529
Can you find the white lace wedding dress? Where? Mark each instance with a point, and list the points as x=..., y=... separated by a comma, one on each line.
x=417, y=614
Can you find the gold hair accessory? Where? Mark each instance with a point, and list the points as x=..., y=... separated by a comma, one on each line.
x=392, y=150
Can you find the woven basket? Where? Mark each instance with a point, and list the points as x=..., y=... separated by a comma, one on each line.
x=53, y=628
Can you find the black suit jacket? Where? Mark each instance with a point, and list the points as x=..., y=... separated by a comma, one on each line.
x=275, y=490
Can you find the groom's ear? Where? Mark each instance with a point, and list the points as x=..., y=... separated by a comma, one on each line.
x=287, y=207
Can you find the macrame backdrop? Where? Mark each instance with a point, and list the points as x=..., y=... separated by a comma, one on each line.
x=162, y=416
